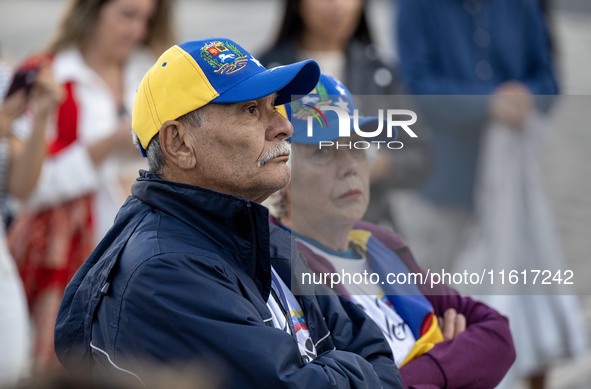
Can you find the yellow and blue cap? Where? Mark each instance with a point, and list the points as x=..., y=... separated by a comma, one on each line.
x=216, y=70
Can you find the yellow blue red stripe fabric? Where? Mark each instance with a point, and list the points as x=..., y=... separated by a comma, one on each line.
x=408, y=301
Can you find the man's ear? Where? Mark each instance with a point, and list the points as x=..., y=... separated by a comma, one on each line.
x=175, y=143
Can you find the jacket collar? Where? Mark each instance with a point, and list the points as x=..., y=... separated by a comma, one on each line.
x=236, y=225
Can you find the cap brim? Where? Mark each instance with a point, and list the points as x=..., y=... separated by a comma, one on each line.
x=331, y=133
x=296, y=79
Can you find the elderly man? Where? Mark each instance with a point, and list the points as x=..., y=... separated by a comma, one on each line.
x=185, y=272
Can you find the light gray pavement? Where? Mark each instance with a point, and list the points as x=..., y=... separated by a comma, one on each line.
x=26, y=25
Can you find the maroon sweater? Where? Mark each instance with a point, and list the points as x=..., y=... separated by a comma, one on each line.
x=477, y=358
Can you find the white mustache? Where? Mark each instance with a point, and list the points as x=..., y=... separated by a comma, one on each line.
x=282, y=148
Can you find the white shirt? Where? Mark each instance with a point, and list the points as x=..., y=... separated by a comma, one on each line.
x=372, y=300
x=71, y=173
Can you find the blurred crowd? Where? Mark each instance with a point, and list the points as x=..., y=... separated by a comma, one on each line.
x=473, y=69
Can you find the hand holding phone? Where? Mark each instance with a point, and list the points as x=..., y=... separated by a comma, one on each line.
x=10, y=109
x=23, y=79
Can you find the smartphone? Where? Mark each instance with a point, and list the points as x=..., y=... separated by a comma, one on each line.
x=24, y=78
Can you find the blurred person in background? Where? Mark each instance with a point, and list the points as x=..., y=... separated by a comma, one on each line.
x=99, y=54
x=20, y=163
x=462, y=50
x=336, y=33
x=491, y=64
x=474, y=347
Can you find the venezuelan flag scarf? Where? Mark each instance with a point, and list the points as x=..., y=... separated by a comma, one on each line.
x=412, y=306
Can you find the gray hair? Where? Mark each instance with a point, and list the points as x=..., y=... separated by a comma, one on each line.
x=192, y=119
x=154, y=154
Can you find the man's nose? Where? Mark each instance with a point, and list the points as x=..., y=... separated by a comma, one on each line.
x=279, y=128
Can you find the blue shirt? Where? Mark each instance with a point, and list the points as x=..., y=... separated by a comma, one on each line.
x=466, y=48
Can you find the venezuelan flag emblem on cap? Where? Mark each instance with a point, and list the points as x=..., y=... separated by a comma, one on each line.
x=193, y=74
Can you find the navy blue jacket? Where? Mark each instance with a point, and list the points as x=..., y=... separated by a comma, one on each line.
x=184, y=275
